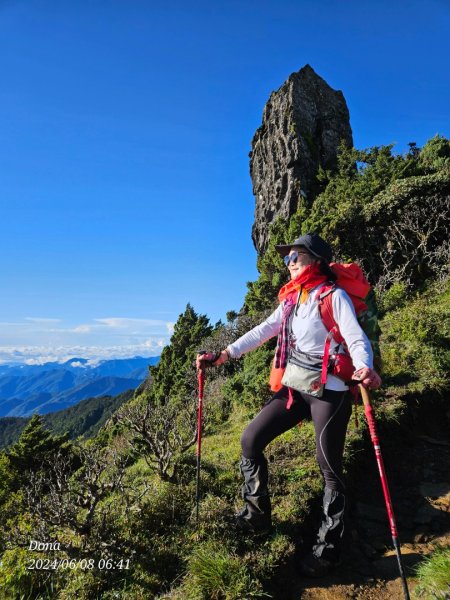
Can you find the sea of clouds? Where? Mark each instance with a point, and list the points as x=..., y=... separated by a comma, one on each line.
x=39, y=340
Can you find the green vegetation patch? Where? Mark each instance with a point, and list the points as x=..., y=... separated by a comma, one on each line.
x=434, y=575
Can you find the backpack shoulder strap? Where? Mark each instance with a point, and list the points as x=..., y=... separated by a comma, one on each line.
x=325, y=298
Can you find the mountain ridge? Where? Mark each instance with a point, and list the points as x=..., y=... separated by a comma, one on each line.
x=82, y=419
x=25, y=389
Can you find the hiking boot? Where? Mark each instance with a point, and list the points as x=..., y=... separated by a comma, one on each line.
x=314, y=566
x=329, y=537
x=255, y=517
x=244, y=524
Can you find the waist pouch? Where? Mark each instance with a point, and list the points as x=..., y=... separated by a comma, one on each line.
x=341, y=366
x=304, y=373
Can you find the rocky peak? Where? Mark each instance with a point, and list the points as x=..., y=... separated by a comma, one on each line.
x=303, y=124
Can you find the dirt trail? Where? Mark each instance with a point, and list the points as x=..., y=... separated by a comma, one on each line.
x=417, y=466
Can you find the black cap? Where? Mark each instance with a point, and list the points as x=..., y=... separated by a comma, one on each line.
x=313, y=243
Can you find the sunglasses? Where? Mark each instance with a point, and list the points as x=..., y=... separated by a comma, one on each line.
x=292, y=258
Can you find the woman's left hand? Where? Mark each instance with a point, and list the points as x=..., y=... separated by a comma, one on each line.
x=369, y=378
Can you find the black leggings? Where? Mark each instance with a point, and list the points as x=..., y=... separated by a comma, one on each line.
x=330, y=415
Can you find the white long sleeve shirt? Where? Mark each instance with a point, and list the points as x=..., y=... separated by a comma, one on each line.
x=309, y=333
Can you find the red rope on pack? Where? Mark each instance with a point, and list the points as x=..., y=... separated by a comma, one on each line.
x=326, y=355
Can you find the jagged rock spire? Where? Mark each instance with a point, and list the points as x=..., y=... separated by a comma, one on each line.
x=303, y=124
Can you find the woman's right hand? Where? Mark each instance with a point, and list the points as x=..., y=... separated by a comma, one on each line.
x=211, y=359
x=368, y=377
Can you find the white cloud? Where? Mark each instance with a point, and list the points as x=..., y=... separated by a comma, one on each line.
x=42, y=320
x=36, y=340
x=126, y=322
x=77, y=363
x=42, y=354
x=81, y=329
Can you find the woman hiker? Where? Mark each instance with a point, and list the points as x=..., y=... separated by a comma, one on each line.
x=302, y=333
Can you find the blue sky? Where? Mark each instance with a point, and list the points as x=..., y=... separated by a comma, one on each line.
x=124, y=139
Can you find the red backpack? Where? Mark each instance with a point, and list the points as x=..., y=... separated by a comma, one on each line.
x=351, y=279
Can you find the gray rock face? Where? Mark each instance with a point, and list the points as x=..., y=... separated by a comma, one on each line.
x=303, y=124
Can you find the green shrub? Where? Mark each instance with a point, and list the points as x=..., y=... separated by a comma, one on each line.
x=388, y=212
x=415, y=344
x=393, y=298
x=17, y=580
x=435, y=154
x=216, y=574
x=250, y=386
x=169, y=375
x=434, y=575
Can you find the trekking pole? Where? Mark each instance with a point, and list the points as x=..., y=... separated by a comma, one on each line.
x=368, y=411
x=201, y=382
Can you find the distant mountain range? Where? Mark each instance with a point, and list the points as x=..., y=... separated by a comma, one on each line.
x=27, y=389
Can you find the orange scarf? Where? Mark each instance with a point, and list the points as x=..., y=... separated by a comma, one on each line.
x=308, y=279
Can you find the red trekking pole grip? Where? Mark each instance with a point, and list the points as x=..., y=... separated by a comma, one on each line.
x=368, y=411
x=201, y=382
